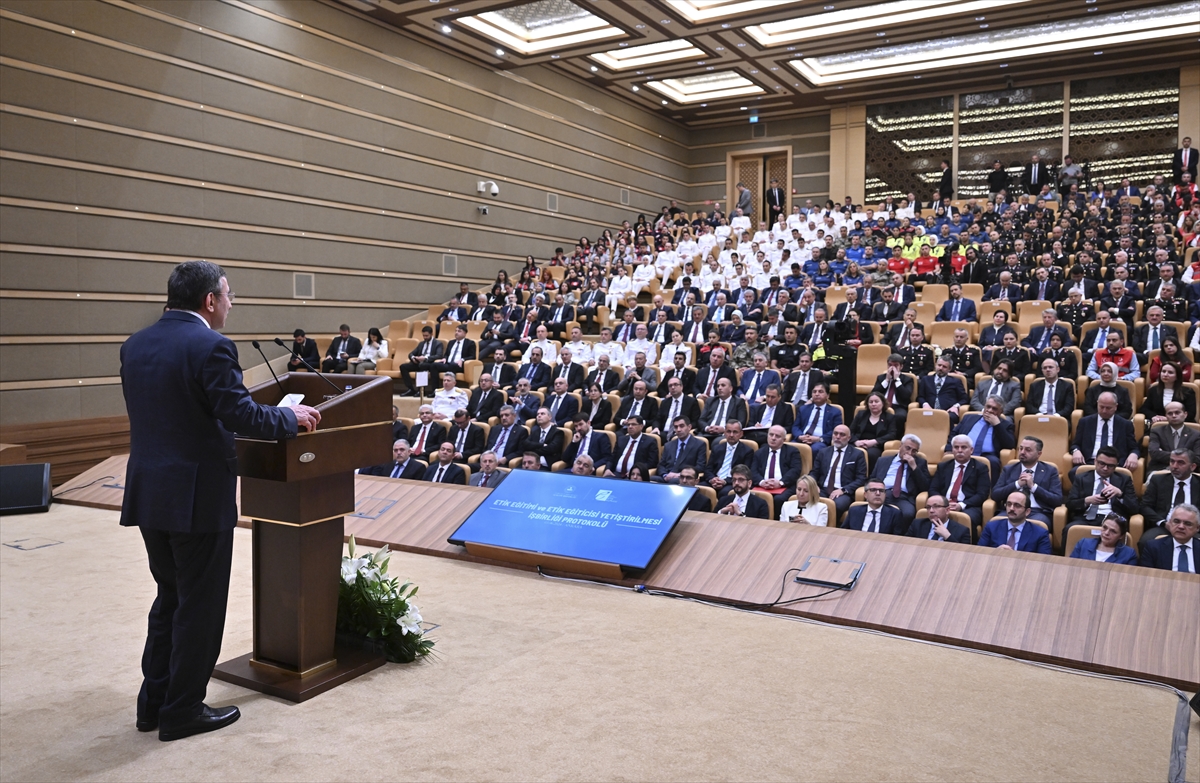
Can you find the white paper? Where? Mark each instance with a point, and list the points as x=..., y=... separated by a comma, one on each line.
x=290, y=401
x=422, y=379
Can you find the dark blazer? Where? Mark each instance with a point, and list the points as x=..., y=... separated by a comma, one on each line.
x=830, y=418
x=1161, y=553
x=783, y=416
x=768, y=377
x=687, y=376
x=700, y=502
x=1083, y=485
x=308, y=352
x=853, y=468
x=967, y=361
x=503, y=375
x=538, y=375
x=1126, y=308
x=1064, y=398
x=473, y=444
x=599, y=449
x=793, y=380
x=1153, y=404
x=1085, y=549
x=399, y=431
x=551, y=449
x=576, y=375
x=915, y=481
x=494, y=480
x=1033, y=340
x=437, y=434
x=993, y=293
x=482, y=411
x=353, y=347
x=1032, y=291
x=742, y=455
x=687, y=407
x=1177, y=167
x=412, y=470
x=1162, y=441
x=1141, y=337
x=652, y=332
x=1033, y=183
x=882, y=311
x=977, y=482
x=905, y=294
x=1122, y=437
x=645, y=455
x=966, y=311
x=608, y=380
x=1158, y=497
x=466, y=353
x=884, y=430
x=674, y=458
x=566, y=409
x=1124, y=402
x=704, y=372
x=512, y=446
x=603, y=413
x=990, y=336
x=568, y=314
x=184, y=394
x=436, y=349
x=688, y=327
x=952, y=393
x=649, y=412
x=1049, y=493
x=787, y=463
x=904, y=389
x=1033, y=537
x=959, y=534
x=1002, y=433
x=890, y=519
x=735, y=408
x=756, y=507
x=526, y=408
x=454, y=473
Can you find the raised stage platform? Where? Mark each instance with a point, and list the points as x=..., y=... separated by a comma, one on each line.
x=1122, y=620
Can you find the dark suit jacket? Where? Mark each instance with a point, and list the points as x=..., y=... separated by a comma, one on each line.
x=1002, y=433
x=890, y=521
x=831, y=417
x=646, y=454
x=705, y=327
x=966, y=311
x=700, y=502
x=688, y=407
x=1031, y=183
x=491, y=407
x=454, y=473
x=538, y=375
x=1122, y=437
x=435, y=349
x=599, y=449
x=783, y=415
x=466, y=353
x=702, y=374
x=566, y=409
x=649, y=412
x=1177, y=167
x=1033, y=538
x=1034, y=338
x=904, y=389
x=437, y=434
x=672, y=459
x=503, y=375
x=1032, y=289
x=793, y=380
x=735, y=408
x=1085, y=549
x=1014, y=292
x=756, y=507
x=853, y=468
x=1126, y=308
x=1161, y=553
x=603, y=415
x=473, y=444
x=915, y=481
x=575, y=376
x=608, y=380
x=977, y=482
x=551, y=449
x=308, y=352
x=512, y=446
x=412, y=470
x=1085, y=483
x=716, y=458
x=1064, y=398
x=184, y=394
x=952, y=393
x=568, y=314
x=687, y=376
x=353, y=347
x=959, y=534
x=1158, y=497
x=1162, y=441
x=1141, y=336
x=494, y=479
x=1049, y=493
x=787, y=464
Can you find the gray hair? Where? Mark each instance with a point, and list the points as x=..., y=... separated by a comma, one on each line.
x=962, y=439
x=913, y=438
x=998, y=400
x=1188, y=507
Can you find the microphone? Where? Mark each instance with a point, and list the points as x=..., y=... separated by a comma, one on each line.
x=282, y=344
x=258, y=348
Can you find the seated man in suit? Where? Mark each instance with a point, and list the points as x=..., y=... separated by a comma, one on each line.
x=706, y=376
x=699, y=501
x=637, y=404
x=963, y=481
x=895, y=387
x=1149, y=336
x=443, y=470
x=634, y=449
x=905, y=475
x=531, y=461
x=586, y=441
x=524, y=401
x=343, y=348
x=401, y=466
x=1015, y=532
x=1005, y=290
x=506, y=438
x=756, y=379
x=941, y=392
x=957, y=308
x=570, y=370
x=426, y=434
x=990, y=431
x=1038, y=338
x=1041, y=287
x=485, y=399
x=1119, y=304
x=1176, y=552
x=1093, y=496
x=459, y=351
x=545, y=439
x=535, y=371
x=725, y=455
x=1050, y=395
x=740, y=502
x=490, y=473
x=1039, y=480
x=304, y=352
x=720, y=409
x=675, y=404
x=816, y=421
x=773, y=411
x=604, y=376
x=798, y=388
x=466, y=436
x=938, y=526
x=559, y=314
x=680, y=370
x=1105, y=428
x=498, y=332
x=1173, y=434
x=840, y=470
x=504, y=375
x=399, y=428
x=1165, y=491
x=563, y=405
x=683, y=449
x=776, y=467
x=876, y=516
x=1003, y=386
x=637, y=370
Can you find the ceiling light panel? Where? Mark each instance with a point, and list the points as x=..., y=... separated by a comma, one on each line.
x=1180, y=19
x=853, y=20
x=541, y=26
x=707, y=87
x=649, y=54
x=700, y=11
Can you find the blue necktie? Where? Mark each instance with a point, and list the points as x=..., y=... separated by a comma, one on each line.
x=955, y=315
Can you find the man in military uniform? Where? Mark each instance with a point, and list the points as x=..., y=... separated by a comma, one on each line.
x=918, y=357
x=964, y=357
x=1074, y=312
x=743, y=355
x=1174, y=308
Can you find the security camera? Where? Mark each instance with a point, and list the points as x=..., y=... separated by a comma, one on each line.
x=482, y=209
x=488, y=186
x=495, y=191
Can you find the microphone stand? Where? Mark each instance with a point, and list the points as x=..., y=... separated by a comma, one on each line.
x=258, y=348
x=282, y=344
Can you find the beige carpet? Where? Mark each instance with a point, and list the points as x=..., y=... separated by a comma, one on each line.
x=540, y=680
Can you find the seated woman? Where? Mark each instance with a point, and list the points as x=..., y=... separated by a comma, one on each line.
x=805, y=507
x=714, y=341
x=992, y=335
x=620, y=285
x=667, y=357
x=1171, y=352
x=1068, y=365
x=1170, y=388
x=1108, y=383
x=374, y=349
x=872, y=427
x=643, y=273
x=824, y=276
x=596, y=407
x=853, y=276
x=1109, y=546
x=732, y=332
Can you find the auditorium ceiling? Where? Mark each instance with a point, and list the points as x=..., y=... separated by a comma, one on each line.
x=710, y=62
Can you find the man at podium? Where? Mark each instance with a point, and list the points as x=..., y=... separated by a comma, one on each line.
x=184, y=394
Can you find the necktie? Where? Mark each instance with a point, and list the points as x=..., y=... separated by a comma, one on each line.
x=583, y=444
x=456, y=352
x=982, y=437
x=500, y=441
x=1004, y=294
x=563, y=371
x=938, y=384
x=1181, y=564
x=636, y=408
x=525, y=332
x=675, y=406
x=1012, y=538
x=1180, y=495
x=958, y=482
x=1104, y=434
x=771, y=465
x=460, y=440
x=541, y=436
x=1044, y=338
x=627, y=457
x=679, y=451
x=1048, y=400
x=833, y=469
x=420, y=447
x=554, y=405
x=1101, y=340
x=1042, y=291
x=558, y=315
x=441, y=472
x=812, y=422
x=1154, y=340
x=658, y=333
x=816, y=335
x=396, y=471
x=695, y=332
x=891, y=394
x=954, y=315
x=801, y=388
x=483, y=480
x=873, y=525
x=712, y=379
x=898, y=486
x=727, y=463
x=754, y=386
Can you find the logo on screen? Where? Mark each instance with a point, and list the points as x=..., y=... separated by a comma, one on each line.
x=603, y=494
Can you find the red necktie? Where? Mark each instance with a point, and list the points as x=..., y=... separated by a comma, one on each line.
x=958, y=480
x=623, y=468
x=899, y=485
x=771, y=466
x=420, y=447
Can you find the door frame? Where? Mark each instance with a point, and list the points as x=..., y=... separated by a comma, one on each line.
x=761, y=153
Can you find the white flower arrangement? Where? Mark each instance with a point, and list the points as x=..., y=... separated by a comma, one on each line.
x=377, y=607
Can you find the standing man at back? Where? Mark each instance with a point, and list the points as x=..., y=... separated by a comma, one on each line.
x=184, y=393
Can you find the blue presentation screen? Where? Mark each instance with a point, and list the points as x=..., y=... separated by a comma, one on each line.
x=607, y=520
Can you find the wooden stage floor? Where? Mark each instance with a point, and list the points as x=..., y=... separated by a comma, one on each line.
x=1114, y=619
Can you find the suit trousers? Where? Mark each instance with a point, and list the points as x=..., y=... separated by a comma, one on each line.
x=186, y=621
x=333, y=365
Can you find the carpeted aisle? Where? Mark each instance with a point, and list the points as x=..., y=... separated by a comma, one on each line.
x=540, y=680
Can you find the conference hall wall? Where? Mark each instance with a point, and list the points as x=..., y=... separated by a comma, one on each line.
x=275, y=138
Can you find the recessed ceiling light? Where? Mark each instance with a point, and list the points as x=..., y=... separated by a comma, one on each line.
x=980, y=18
x=1098, y=53
x=720, y=48
x=753, y=70
x=623, y=43
x=445, y=28
x=741, y=45
x=639, y=27
x=454, y=10
x=744, y=108
x=983, y=26
x=636, y=88
x=639, y=73
x=726, y=25
x=791, y=48
x=499, y=52
x=880, y=35
x=664, y=103
x=775, y=68
x=708, y=68
x=594, y=69
x=665, y=21
x=702, y=62
x=554, y=57
x=1003, y=65
x=828, y=8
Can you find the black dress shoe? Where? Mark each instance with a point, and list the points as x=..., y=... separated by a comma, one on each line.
x=209, y=719
x=147, y=724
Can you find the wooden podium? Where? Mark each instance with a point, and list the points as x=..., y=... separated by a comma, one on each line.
x=296, y=492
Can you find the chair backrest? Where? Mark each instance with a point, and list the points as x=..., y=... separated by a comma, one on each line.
x=974, y=292
x=926, y=311
x=770, y=501
x=401, y=348
x=397, y=330
x=935, y=293
x=988, y=309
x=1053, y=431
x=1031, y=311
x=709, y=493
x=932, y=427
x=941, y=333
x=872, y=361
x=831, y=512
x=1076, y=533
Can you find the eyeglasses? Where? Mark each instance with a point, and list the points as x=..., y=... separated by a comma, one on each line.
x=931, y=508
x=230, y=295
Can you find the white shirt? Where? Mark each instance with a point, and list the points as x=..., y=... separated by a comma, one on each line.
x=670, y=349
x=645, y=346
x=549, y=352
x=447, y=402
x=371, y=352
x=816, y=514
x=193, y=312
x=1100, y=433
x=871, y=524
x=581, y=352
x=1190, y=555
x=613, y=350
